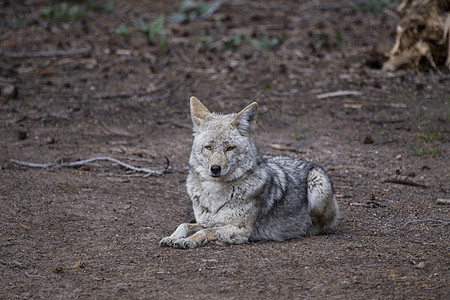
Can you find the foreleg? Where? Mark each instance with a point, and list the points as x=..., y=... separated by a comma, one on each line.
x=231, y=234
x=189, y=236
x=184, y=230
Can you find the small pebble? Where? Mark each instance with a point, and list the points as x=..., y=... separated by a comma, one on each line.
x=50, y=140
x=420, y=265
x=22, y=135
x=369, y=140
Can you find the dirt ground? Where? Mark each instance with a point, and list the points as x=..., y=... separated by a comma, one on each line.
x=92, y=232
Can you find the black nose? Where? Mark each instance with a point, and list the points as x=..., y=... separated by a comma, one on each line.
x=215, y=169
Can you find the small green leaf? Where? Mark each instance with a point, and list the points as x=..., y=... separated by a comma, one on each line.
x=187, y=5
x=48, y=13
x=143, y=27
x=63, y=10
x=109, y=6
x=76, y=13
x=178, y=17
x=157, y=25
x=123, y=32
x=21, y=21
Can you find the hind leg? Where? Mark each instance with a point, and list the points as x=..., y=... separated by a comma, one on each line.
x=322, y=203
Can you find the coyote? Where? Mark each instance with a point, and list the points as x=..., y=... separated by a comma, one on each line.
x=239, y=196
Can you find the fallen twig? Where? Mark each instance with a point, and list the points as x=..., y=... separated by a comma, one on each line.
x=282, y=148
x=104, y=96
x=26, y=54
x=443, y=201
x=34, y=276
x=148, y=172
x=428, y=220
x=337, y=5
x=370, y=203
x=402, y=179
x=434, y=287
x=338, y=94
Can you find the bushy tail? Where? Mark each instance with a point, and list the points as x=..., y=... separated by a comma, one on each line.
x=322, y=203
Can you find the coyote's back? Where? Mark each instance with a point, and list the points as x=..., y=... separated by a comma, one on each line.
x=240, y=196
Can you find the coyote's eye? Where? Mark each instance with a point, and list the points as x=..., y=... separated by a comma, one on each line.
x=229, y=148
x=208, y=147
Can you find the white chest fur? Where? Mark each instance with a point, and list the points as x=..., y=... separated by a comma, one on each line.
x=220, y=203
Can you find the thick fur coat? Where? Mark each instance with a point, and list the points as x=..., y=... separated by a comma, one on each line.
x=239, y=196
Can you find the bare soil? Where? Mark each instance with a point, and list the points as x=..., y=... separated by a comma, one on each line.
x=92, y=231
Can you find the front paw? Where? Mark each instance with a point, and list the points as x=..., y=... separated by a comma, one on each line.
x=185, y=244
x=166, y=242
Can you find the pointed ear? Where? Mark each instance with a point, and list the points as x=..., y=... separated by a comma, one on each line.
x=199, y=112
x=245, y=120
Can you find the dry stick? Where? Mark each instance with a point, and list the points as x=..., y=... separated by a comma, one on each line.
x=86, y=161
x=434, y=288
x=34, y=276
x=45, y=53
x=338, y=94
x=337, y=5
x=401, y=179
x=428, y=220
x=282, y=148
x=443, y=201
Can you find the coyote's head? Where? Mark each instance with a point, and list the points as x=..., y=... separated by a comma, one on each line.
x=223, y=147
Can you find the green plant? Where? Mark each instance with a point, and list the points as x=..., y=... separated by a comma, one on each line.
x=62, y=10
x=424, y=122
x=206, y=43
x=122, y=30
x=425, y=150
x=154, y=30
x=427, y=131
x=93, y=6
x=266, y=43
x=236, y=41
x=297, y=130
x=65, y=12
x=319, y=40
x=190, y=10
x=75, y=12
x=338, y=37
x=109, y=6
x=48, y=13
x=375, y=6
x=20, y=21
x=430, y=134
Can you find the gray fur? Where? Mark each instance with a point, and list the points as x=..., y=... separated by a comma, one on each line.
x=251, y=198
